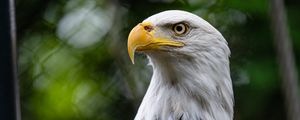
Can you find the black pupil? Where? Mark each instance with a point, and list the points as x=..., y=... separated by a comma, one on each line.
x=179, y=28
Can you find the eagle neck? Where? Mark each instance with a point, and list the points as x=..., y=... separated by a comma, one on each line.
x=190, y=88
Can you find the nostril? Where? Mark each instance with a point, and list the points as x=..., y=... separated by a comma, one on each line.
x=148, y=28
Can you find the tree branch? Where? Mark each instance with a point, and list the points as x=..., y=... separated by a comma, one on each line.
x=286, y=59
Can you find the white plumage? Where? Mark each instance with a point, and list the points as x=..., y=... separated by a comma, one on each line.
x=191, y=82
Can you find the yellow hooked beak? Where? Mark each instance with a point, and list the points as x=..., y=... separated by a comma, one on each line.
x=141, y=38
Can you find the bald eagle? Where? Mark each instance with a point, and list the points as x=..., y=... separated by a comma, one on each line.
x=190, y=60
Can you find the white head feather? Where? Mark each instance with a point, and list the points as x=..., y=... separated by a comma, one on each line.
x=192, y=82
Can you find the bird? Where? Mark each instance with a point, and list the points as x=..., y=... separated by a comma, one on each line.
x=191, y=73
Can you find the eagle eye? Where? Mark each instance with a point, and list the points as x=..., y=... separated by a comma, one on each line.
x=180, y=28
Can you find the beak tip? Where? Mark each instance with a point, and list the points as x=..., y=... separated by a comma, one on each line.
x=131, y=56
x=132, y=59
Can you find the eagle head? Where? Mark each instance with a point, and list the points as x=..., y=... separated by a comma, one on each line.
x=190, y=60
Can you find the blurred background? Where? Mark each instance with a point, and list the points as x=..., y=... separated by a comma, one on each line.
x=73, y=62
